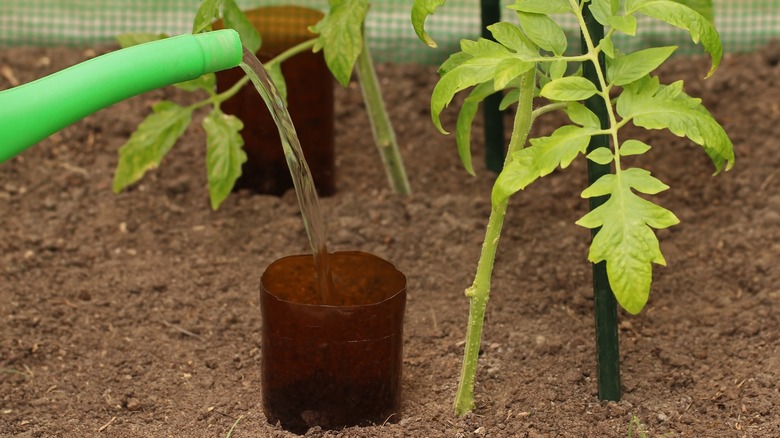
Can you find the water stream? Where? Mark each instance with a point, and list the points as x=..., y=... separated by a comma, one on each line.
x=301, y=176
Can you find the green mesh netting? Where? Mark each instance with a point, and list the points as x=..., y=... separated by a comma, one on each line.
x=744, y=25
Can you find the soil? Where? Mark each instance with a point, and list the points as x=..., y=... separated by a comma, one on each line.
x=138, y=315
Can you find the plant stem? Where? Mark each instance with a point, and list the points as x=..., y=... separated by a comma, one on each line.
x=384, y=136
x=289, y=53
x=607, y=346
x=479, y=291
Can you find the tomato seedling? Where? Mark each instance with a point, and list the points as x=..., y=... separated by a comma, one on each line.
x=341, y=38
x=529, y=61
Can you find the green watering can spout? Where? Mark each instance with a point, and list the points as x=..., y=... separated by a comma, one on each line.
x=31, y=112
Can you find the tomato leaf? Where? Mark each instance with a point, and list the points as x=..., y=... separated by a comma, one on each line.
x=625, y=239
x=543, y=31
x=207, y=12
x=653, y=106
x=539, y=159
x=224, y=154
x=472, y=71
x=421, y=9
x=581, y=115
x=568, y=89
x=511, y=37
x=236, y=20
x=542, y=6
x=632, y=67
x=601, y=156
x=633, y=147
x=341, y=36
x=205, y=82
x=682, y=16
x=465, y=118
x=148, y=145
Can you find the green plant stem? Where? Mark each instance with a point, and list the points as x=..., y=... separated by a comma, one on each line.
x=550, y=107
x=605, y=304
x=384, y=136
x=479, y=291
x=292, y=51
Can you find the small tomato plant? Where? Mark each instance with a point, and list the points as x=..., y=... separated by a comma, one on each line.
x=529, y=61
x=341, y=38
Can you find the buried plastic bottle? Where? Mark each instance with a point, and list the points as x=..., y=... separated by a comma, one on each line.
x=332, y=366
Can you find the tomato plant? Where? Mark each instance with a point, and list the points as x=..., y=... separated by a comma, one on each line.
x=339, y=35
x=530, y=63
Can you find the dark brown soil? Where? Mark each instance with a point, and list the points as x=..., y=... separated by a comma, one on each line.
x=137, y=314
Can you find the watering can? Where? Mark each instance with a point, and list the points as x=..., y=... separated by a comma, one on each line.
x=31, y=112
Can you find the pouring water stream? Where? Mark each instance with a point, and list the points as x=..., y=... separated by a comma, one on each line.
x=299, y=170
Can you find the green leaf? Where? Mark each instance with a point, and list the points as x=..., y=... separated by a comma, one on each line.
x=515, y=176
x=641, y=181
x=625, y=239
x=275, y=72
x=508, y=70
x=150, y=142
x=236, y=20
x=630, y=68
x=224, y=154
x=601, y=10
x=558, y=69
x=421, y=9
x=511, y=37
x=623, y=23
x=703, y=7
x=543, y=31
x=560, y=148
x=601, y=156
x=341, y=36
x=569, y=88
x=126, y=40
x=465, y=118
x=542, y=6
x=539, y=159
x=607, y=47
x=453, y=61
x=633, y=147
x=510, y=98
x=581, y=115
x=652, y=106
x=682, y=16
x=483, y=48
x=207, y=12
x=473, y=71
x=205, y=82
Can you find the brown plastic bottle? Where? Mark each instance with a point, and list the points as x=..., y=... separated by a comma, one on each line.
x=332, y=366
x=309, y=101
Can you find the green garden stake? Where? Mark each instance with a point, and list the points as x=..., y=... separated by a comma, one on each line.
x=607, y=348
x=33, y=111
x=494, y=119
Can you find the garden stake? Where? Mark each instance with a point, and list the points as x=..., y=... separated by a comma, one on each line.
x=494, y=120
x=607, y=347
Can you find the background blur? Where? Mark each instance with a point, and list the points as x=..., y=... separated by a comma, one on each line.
x=744, y=25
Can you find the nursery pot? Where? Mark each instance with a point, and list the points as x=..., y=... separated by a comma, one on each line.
x=332, y=366
x=309, y=101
